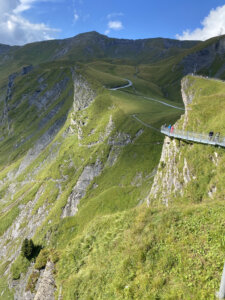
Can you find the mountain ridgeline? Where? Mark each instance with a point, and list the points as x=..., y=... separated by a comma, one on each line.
x=111, y=209
x=88, y=46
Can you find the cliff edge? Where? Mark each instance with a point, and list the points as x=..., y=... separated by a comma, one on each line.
x=191, y=171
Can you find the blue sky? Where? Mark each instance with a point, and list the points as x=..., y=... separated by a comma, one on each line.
x=23, y=21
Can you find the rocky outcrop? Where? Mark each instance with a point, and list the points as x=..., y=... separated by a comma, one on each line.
x=167, y=180
x=204, y=58
x=79, y=191
x=170, y=179
x=46, y=288
x=11, y=239
x=109, y=128
x=83, y=97
x=83, y=94
x=187, y=97
x=60, y=52
x=190, y=171
x=19, y=286
x=120, y=139
x=10, y=245
x=113, y=156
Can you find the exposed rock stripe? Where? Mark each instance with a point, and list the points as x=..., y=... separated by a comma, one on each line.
x=46, y=287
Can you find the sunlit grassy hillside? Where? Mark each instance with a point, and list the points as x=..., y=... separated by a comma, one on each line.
x=157, y=252
x=127, y=150
x=113, y=247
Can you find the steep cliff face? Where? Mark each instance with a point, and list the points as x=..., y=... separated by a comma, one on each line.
x=204, y=58
x=29, y=213
x=190, y=171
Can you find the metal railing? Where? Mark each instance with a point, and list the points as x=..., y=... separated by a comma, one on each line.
x=203, y=138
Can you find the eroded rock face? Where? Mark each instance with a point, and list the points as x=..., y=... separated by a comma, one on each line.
x=109, y=128
x=170, y=180
x=79, y=191
x=11, y=238
x=167, y=180
x=120, y=139
x=83, y=97
x=113, y=156
x=83, y=94
x=187, y=98
x=30, y=215
x=46, y=288
x=203, y=58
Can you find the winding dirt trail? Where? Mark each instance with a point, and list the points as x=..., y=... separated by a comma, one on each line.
x=130, y=83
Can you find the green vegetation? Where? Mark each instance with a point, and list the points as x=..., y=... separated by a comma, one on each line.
x=19, y=266
x=207, y=114
x=6, y=293
x=147, y=254
x=27, y=248
x=207, y=108
x=114, y=247
x=32, y=281
x=42, y=259
x=7, y=219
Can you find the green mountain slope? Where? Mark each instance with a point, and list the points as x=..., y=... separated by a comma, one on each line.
x=159, y=62
x=160, y=253
x=92, y=45
x=77, y=163
x=71, y=152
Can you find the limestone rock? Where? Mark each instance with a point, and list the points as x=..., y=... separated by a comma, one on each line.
x=79, y=191
x=83, y=94
x=46, y=287
x=187, y=99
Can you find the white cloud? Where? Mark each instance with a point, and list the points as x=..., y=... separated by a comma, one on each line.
x=115, y=15
x=17, y=30
x=112, y=23
x=23, y=5
x=116, y=25
x=76, y=16
x=212, y=25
